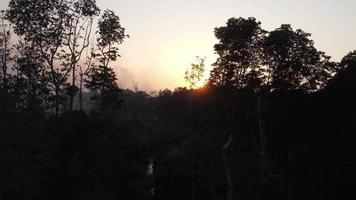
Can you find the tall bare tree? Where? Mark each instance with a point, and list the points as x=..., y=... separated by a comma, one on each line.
x=79, y=30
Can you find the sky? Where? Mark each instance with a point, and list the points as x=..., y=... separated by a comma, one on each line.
x=167, y=35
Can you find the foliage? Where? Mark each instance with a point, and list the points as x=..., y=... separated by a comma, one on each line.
x=195, y=75
x=294, y=63
x=239, y=51
x=101, y=77
x=102, y=81
x=111, y=34
x=32, y=79
x=281, y=60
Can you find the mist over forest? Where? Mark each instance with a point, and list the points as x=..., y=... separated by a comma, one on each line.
x=275, y=118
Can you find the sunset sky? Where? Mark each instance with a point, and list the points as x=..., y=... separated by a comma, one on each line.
x=167, y=35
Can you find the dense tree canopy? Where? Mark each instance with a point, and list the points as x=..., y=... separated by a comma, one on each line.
x=239, y=51
x=283, y=59
x=293, y=62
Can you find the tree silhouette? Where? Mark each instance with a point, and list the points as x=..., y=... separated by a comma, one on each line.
x=32, y=78
x=349, y=61
x=45, y=28
x=196, y=73
x=344, y=80
x=78, y=34
x=101, y=81
x=293, y=61
x=111, y=34
x=102, y=78
x=239, y=51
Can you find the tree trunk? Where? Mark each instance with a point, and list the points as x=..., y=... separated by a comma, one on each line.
x=229, y=182
x=57, y=100
x=262, y=148
x=81, y=93
x=290, y=188
x=211, y=178
x=290, y=184
x=72, y=92
x=4, y=88
x=193, y=178
x=4, y=91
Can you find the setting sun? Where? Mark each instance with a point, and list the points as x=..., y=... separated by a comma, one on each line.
x=177, y=54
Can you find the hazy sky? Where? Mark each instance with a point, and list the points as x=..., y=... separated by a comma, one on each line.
x=167, y=35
